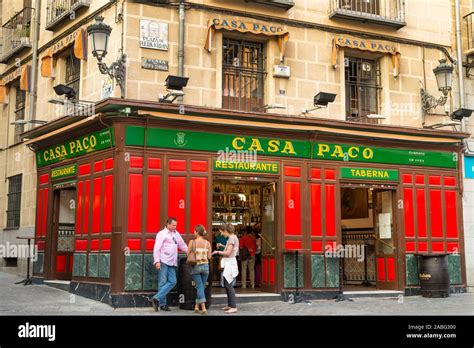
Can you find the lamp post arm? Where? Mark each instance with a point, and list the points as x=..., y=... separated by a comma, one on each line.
x=429, y=102
x=117, y=71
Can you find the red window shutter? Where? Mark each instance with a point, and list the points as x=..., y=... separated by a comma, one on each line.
x=177, y=200
x=135, y=203
x=153, y=209
x=292, y=208
x=316, y=216
x=198, y=207
x=108, y=202
x=408, y=212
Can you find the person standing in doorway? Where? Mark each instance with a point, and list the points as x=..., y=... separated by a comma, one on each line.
x=200, y=271
x=165, y=255
x=229, y=264
x=248, y=241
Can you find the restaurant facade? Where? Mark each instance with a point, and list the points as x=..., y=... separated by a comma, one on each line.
x=107, y=184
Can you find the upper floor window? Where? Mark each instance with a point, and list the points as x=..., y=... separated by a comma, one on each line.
x=14, y=201
x=362, y=79
x=389, y=13
x=72, y=77
x=20, y=102
x=243, y=75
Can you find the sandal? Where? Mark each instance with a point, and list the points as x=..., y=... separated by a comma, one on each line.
x=226, y=308
x=204, y=312
x=231, y=310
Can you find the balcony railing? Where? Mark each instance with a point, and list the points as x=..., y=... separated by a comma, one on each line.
x=16, y=34
x=59, y=11
x=389, y=13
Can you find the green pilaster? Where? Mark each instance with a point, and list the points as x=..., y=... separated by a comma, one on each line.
x=412, y=270
x=133, y=272
x=79, y=266
x=104, y=266
x=455, y=274
x=318, y=275
x=289, y=264
x=332, y=272
x=150, y=273
x=93, y=266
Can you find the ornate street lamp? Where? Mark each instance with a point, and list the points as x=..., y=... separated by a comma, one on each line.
x=444, y=78
x=99, y=32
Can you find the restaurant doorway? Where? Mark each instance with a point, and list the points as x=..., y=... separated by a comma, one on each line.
x=64, y=219
x=369, y=237
x=250, y=205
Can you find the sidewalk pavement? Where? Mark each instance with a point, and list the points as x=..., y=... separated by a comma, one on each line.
x=44, y=300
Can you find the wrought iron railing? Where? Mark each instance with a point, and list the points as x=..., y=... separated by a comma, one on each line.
x=386, y=12
x=59, y=10
x=16, y=34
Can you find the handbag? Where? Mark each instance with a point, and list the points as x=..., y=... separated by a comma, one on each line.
x=191, y=260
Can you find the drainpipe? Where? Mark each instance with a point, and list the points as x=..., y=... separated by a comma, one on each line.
x=181, y=39
x=459, y=58
x=34, y=66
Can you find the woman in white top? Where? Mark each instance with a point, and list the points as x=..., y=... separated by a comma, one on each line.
x=200, y=271
x=229, y=265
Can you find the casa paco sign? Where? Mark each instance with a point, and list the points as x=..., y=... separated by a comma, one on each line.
x=322, y=150
x=89, y=143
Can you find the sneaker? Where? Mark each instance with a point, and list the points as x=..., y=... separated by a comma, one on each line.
x=165, y=309
x=156, y=304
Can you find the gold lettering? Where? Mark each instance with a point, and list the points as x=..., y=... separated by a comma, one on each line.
x=337, y=152
x=273, y=146
x=93, y=141
x=79, y=146
x=72, y=147
x=351, y=153
x=322, y=149
x=368, y=153
x=256, y=146
x=289, y=149
x=235, y=143
x=85, y=143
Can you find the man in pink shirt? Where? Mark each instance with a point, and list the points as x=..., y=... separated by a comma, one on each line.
x=165, y=255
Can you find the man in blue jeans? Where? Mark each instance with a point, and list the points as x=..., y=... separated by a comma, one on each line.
x=165, y=255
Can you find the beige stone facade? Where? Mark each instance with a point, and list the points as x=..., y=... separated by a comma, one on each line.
x=429, y=33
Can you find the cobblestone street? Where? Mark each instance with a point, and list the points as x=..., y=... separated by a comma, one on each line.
x=45, y=300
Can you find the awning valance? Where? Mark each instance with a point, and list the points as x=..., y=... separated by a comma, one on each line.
x=247, y=27
x=77, y=38
x=23, y=73
x=366, y=45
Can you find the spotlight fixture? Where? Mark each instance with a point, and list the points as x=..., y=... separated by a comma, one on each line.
x=174, y=86
x=69, y=92
x=459, y=114
x=321, y=100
